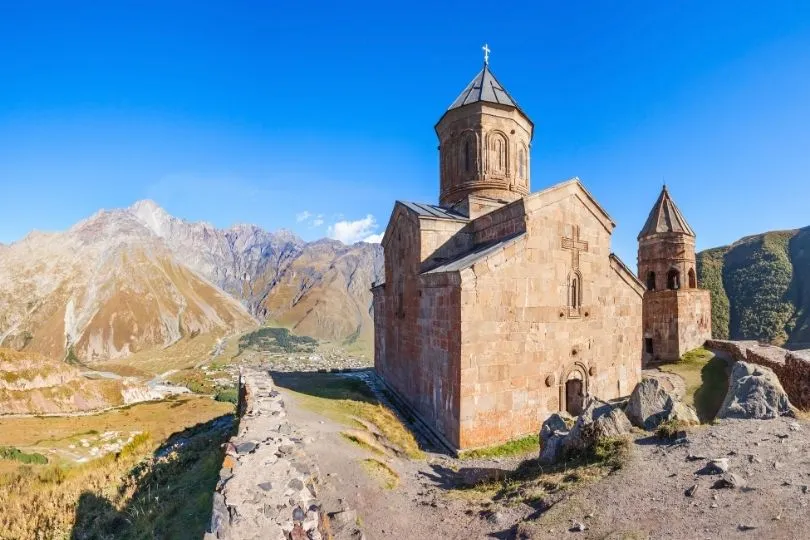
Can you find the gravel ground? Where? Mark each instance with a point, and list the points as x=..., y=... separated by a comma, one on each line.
x=645, y=499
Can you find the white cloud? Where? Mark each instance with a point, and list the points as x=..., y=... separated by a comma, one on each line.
x=302, y=216
x=350, y=232
x=374, y=238
x=317, y=222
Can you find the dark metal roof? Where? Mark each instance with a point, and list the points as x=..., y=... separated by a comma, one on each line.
x=665, y=218
x=433, y=211
x=484, y=87
x=478, y=253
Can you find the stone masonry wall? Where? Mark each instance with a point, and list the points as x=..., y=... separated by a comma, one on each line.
x=268, y=484
x=792, y=367
x=520, y=340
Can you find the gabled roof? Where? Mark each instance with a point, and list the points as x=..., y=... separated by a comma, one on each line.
x=665, y=218
x=484, y=87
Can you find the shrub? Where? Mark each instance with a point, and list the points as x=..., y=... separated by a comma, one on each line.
x=227, y=395
x=8, y=452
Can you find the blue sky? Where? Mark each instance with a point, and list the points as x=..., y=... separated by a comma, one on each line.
x=261, y=111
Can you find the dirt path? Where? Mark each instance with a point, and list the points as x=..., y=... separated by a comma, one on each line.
x=420, y=507
x=645, y=499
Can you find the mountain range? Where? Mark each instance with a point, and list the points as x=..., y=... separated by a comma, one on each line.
x=760, y=287
x=131, y=279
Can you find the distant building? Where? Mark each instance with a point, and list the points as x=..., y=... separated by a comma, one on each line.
x=500, y=306
x=677, y=315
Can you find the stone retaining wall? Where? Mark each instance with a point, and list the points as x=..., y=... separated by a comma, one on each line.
x=792, y=367
x=268, y=484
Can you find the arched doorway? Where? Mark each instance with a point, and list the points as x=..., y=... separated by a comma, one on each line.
x=692, y=279
x=574, y=389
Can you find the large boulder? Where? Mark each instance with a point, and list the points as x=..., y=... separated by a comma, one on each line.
x=647, y=406
x=650, y=405
x=599, y=420
x=754, y=392
x=552, y=433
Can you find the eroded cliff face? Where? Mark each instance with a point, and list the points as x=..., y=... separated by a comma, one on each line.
x=33, y=384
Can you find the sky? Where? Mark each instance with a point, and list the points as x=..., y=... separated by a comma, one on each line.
x=317, y=116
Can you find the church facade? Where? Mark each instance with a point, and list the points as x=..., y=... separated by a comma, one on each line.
x=500, y=306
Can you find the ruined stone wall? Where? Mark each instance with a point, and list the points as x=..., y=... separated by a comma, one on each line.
x=268, y=484
x=520, y=339
x=791, y=367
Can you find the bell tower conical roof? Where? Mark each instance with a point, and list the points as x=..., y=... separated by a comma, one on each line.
x=665, y=218
x=484, y=87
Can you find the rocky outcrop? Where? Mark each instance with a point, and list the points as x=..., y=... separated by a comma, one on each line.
x=650, y=405
x=268, y=487
x=754, y=392
x=791, y=367
x=599, y=420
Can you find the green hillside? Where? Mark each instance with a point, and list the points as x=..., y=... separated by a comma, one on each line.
x=759, y=287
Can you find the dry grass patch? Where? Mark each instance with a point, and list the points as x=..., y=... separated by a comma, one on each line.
x=381, y=471
x=160, y=418
x=363, y=440
x=349, y=401
x=542, y=486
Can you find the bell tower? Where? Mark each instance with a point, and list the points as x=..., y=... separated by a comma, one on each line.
x=484, y=142
x=676, y=313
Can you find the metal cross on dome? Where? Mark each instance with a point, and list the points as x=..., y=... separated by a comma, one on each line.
x=486, y=50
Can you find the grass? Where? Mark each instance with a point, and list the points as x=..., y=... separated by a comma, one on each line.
x=136, y=493
x=383, y=472
x=363, y=440
x=516, y=447
x=227, y=395
x=538, y=485
x=346, y=399
x=706, y=378
x=9, y=452
x=160, y=418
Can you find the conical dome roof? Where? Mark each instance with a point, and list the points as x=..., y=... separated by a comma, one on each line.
x=665, y=218
x=484, y=87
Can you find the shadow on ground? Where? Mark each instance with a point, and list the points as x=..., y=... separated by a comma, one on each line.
x=327, y=385
x=173, y=492
x=709, y=397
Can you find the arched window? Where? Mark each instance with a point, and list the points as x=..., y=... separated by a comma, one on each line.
x=673, y=279
x=468, y=157
x=651, y=281
x=497, y=153
x=692, y=279
x=522, y=164
x=575, y=291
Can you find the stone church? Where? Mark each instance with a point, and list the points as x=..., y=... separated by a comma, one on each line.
x=500, y=306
